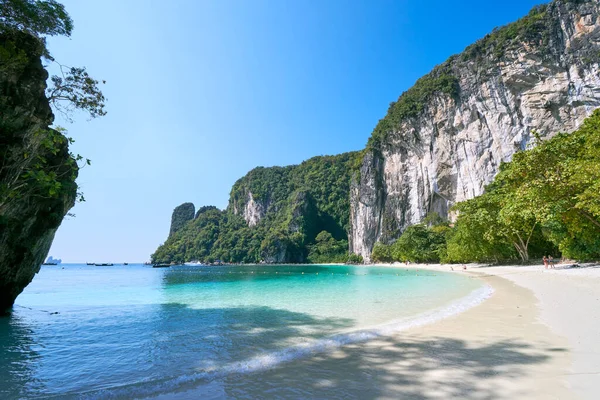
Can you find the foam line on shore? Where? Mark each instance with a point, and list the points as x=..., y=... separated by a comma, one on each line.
x=273, y=359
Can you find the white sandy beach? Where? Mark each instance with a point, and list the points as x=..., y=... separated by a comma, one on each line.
x=566, y=301
x=536, y=337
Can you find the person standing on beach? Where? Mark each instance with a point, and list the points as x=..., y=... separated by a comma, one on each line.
x=545, y=259
x=551, y=261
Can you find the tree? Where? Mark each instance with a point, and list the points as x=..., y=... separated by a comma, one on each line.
x=498, y=217
x=74, y=89
x=327, y=249
x=474, y=236
x=26, y=167
x=36, y=17
x=558, y=184
x=382, y=253
x=419, y=244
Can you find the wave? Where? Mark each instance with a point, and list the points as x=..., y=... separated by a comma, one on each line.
x=275, y=358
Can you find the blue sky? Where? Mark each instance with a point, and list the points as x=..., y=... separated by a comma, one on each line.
x=200, y=92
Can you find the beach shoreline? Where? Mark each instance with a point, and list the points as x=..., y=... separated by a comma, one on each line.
x=568, y=299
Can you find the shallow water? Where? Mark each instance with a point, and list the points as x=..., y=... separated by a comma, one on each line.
x=127, y=331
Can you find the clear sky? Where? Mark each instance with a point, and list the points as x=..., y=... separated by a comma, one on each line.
x=200, y=92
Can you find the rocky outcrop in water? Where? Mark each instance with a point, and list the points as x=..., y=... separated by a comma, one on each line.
x=37, y=173
x=446, y=138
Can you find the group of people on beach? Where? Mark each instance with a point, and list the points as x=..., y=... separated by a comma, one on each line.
x=548, y=261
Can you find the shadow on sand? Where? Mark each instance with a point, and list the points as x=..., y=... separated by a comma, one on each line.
x=440, y=368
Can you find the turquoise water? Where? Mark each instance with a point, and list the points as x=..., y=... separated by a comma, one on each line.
x=127, y=331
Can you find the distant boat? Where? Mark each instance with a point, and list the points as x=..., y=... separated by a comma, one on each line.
x=52, y=261
x=125, y=263
x=161, y=265
x=192, y=263
x=103, y=264
x=89, y=263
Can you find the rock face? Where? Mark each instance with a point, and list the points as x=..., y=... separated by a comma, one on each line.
x=29, y=212
x=254, y=211
x=253, y=196
x=181, y=215
x=274, y=215
x=447, y=152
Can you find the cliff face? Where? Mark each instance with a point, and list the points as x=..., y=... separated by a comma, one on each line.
x=274, y=215
x=540, y=74
x=37, y=174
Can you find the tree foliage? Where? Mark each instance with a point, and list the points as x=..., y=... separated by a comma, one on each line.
x=306, y=217
x=418, y=243
x=327, y=250
x=75, y=89
x=29, y=159
x=412, y=102
x=382, y=253
x=546, y=197
x=36, y=17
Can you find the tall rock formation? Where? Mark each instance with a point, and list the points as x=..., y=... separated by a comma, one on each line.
x=445, y=138
x=181, y=215
x=37, y=173
x=274, y=215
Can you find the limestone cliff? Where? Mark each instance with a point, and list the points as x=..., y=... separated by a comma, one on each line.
x=274, y=215
x=444, y=139
x=37, y=174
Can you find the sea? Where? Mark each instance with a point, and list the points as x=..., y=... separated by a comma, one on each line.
x=133, y=331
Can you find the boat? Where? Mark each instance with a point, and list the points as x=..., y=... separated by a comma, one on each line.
x=52, y=261
x=104, y=264
x=161, y=265
x=87, y=263
x=125, y=263
x=193, y=263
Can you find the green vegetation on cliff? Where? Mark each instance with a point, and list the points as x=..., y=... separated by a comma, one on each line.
x=181, y=215
x=533, y=30
x=412, y=102
x=37, y=171
x=27, y=146
x=303, y=212
x=545, y=201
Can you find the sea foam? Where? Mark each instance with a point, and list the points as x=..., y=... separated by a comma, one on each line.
x=272, y=359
